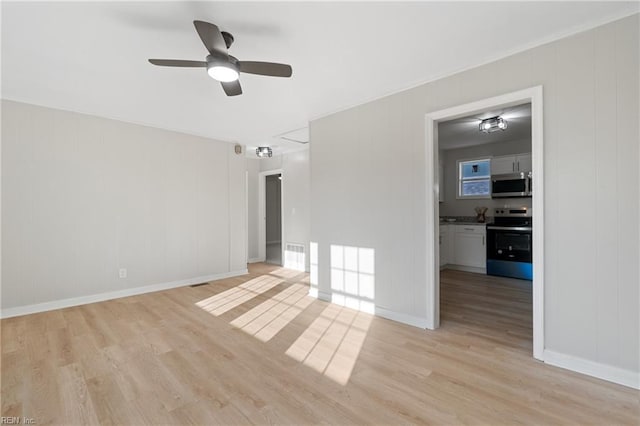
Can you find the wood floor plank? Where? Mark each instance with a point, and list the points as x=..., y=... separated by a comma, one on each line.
x=76, y=402
x=256, y=350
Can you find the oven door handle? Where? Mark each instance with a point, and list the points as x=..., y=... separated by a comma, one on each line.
x=510, y=228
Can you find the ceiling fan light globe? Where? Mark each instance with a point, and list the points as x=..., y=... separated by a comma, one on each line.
x=223, y=73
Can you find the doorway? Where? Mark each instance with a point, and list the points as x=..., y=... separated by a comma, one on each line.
x=273, y=219
x=270, y=225
x=433, y=177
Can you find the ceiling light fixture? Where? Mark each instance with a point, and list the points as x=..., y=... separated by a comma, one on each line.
x=493, y=124
x=264, y=151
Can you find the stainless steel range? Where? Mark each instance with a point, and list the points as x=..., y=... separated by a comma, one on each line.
x=509, y=243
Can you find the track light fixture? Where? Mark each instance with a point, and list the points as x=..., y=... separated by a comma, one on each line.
x=264, y=151
x=493, y=124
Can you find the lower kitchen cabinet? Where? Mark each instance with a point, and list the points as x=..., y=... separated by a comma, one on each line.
x=444, y=245
x=463, y=246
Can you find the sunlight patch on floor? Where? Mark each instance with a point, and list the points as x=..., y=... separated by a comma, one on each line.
x=285, y=273
x=234, y=297
x=268, y=318
x=332, y=343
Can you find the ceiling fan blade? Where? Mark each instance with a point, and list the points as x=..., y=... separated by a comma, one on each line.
x=265, y=68
x=178, y=63
x=211, y=37
x=232, y=88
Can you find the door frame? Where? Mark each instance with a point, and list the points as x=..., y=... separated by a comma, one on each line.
x=534, y=96
x=262, y=213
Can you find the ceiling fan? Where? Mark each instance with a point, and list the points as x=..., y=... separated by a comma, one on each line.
x=220, y=65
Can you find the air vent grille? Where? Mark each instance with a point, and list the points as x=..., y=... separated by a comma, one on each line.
x=295, y=248
x=294, y=256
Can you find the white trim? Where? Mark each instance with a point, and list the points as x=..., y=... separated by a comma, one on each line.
x=256, y=260
x=381, y=312
x=324, y=296
x=537, y=158
x=401, y=317
x=246, y=211
x=595, y=369
x=101, y=297
x=533, y=95
x=262, y=227
x=432, y=263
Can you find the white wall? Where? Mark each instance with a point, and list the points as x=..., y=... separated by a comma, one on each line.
x=253, y=168
x=295, y=203
x=368, y=173
x=451, y=206
x=84, y=196
x=296, y=199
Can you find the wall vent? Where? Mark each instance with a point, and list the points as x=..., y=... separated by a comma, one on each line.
x=295, y=248
x=294, y=256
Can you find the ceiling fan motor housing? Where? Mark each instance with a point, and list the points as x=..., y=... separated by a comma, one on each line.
x=228, y=38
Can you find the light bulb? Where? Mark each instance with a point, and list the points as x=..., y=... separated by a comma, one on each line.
x=223, y=73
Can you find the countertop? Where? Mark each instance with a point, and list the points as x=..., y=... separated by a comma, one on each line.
x=463, y=220
x=461, y=223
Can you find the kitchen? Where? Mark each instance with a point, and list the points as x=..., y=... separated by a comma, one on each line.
x=485, y=206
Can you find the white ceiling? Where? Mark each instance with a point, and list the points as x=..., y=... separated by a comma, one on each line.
x=465, y=131
x=91, y=57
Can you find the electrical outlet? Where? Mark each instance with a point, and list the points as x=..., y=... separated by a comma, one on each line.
x=123, y=273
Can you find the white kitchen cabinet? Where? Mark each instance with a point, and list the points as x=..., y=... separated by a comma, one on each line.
x=524, y=162
x=511, y=164
x=469, y=246
x=502, y=165
x=444, y=245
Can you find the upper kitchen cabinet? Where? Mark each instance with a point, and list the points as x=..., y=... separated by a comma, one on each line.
x=511, y=164
x=524, y=162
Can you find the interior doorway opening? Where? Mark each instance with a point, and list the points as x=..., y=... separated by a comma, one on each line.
x=273, y=219
x=270, y=217
x=434, y=177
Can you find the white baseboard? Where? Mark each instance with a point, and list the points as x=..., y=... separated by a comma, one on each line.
x=381, y=312
x=595, y=369
x=464, y=268
x=256, y=259
x=400, y=317
x=100, y=297
x=324, y=296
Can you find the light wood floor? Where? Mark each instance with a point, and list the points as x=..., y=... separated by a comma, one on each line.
x=255, y=349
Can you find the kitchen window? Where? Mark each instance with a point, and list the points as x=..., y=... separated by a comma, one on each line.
x=474, y=178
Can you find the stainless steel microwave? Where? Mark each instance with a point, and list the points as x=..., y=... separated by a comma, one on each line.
x=511, y=185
